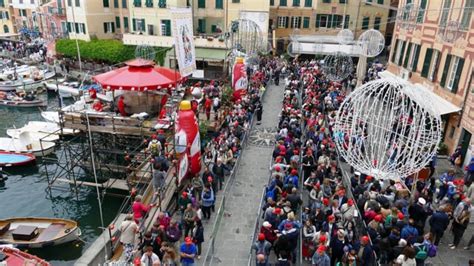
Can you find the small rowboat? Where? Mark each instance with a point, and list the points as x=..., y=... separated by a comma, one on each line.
x=26, y=144
x=15, y=159
x=23, y=103
x=16, y=257
x=38, y=232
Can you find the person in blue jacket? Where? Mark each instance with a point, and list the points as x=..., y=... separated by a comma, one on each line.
x=439, y=222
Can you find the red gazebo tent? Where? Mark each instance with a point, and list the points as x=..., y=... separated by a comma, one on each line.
x=138, y=75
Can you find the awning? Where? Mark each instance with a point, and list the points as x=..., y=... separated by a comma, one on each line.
x=440, y=105
x=209, y=54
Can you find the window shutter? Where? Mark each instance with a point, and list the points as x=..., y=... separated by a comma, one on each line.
x=299, y=23
x=117, y=22
x=69, y=27
x=125, y=22
x=143, y=25
x=113, y=27
x=134, y=24
x=402, y=53
x=292, y=20
x=407, y=55
x=330, y=19
x=426, y=63
x=446, y=70
x=168, y=27
x=318, y=18
x=287, y=19
x=6, y=15
x=457, y=76
x=416, y=55
x=105, y=27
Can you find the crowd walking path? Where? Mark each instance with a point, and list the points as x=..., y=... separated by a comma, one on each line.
x=234, y=238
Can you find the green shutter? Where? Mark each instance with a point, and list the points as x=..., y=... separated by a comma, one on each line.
x=365, y=23
x=213, y=28
x=446, y=70
x=287, y=20
x=116, y=3
x=2, y=3
x=416, y=55
x=306, y=22
x=346, y=21
x=318, y=19
x=69, y=28
x=105, y=27
x=143, y=25
x=282, y=2
x=296, y=2
x=272, y=2
x=105, y=3
x=201, y=3
x=219, y=4
x=124, y=3
x=402, y=53
x=308, y=3
x=427, y=63
x=407, y=55
x=457, y=76
x=329, y=21
x=134, y=24
x=380, y=2
x=394, y=51
x=117, y=22
x=162, y=3
x=125, y=22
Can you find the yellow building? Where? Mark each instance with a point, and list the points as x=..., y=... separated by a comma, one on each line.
x=151, y=25
x=104, y=19
x=435, y=49
x=327, y=17
x=6, y=19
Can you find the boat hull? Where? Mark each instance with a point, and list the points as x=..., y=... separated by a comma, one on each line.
x=24, y=104
x=9, y=159
x=16, y=257
x=19, y=146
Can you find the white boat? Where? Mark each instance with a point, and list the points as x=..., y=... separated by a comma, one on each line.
x=51, y=116
x=65, y=89
x=32, y=81
x=26, y=144
x=41, y=128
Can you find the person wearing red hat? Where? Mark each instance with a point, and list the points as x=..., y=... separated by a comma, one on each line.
x=183, y=201
x=188, y=252
x=291, y=180
x=347, y=211
x=320, y=258
x=262, y=247
x=365, y=251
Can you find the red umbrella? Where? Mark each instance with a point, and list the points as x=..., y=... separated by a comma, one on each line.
x=139, y=75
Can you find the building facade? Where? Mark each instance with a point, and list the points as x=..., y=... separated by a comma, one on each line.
x=6, y=21
x=326, y=17
x=103, y=19
x=433, y=45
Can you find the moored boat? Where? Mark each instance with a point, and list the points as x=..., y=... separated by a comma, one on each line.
x=32, y=232
x=23, y=103
x=25, y=144
x=8, y=159
x=15, y=257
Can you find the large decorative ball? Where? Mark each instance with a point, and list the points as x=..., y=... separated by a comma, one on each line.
x=371, y=42
x=337, y=66
x=345, y=36
x=387, y=129
x=245, y=36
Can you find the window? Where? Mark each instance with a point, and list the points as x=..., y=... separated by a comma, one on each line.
x=6, y=29
x=413, y=62
x=365, y=23
x=322, y=21
x=467, y=14
x=327, y=1
x=282, y=2
x=201, y=25
x=306, y=22
x=296, y=2
x=124, y=3
x=117, y=22
x=235, y=1
x=402, y=52
x=105, y=3
x=108, y=27
x=445, y=13
x=407, y=56
x=69, y=2
x=78, y=3
x=116, y=5
x=76, y=27
x=377, y=23
x=455, y=74
x=421, y=11
x=166, y=27
x=398, y=51
x=308, y=3
x=138, y=24
x=295, y=22
x=380, y=2
x=342, y=1
x=137, y=3
x=201, y=3
x=69, y=28
x=162, y=3
x=83, y=28
x=282, y=22
x=272, y=2
x=2, y=4
x=125, y=22
x=151, y=29
x=427, y=62
x=337, y=21
x=219, y=4
x=22, y=12
x=434, y=67
x=346, y=22
x=149, y=3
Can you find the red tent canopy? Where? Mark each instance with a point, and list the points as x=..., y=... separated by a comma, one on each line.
x=139, y=75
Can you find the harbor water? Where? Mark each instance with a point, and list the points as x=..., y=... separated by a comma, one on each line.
x=25, y=194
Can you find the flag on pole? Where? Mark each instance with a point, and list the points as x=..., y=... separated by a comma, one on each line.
x=184, y=40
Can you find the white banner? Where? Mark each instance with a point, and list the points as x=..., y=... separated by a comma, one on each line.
x=183, y=167
x=184, y=40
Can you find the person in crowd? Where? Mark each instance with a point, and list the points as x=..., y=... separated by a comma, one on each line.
x=149, y=258
x=320, y=257
x=439, y=222
x=198, y=237
x=407, y=258
x=188, y=252
x=262, y=247
x=139, y=209
x=129, y=230
x=461, y=217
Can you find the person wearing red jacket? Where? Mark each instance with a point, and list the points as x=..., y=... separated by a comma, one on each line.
x=207, y=108
x=121, y=106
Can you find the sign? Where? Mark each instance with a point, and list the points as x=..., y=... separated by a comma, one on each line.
x=184, y=40
x=183, y=167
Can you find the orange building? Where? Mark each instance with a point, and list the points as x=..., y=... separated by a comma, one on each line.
x=433, y=45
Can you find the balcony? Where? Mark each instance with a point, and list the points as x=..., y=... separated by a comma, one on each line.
x=205, y=40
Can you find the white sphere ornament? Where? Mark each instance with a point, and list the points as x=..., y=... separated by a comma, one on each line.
x=337, y=66
x=196, y=92
x=372, y=43
x=387, y=129
x=345, y=36
x=245, y=36
x=294, y=48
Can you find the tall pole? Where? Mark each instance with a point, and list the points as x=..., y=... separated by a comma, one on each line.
x=77, y=42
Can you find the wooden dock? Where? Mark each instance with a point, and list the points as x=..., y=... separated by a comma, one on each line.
x=112, y=183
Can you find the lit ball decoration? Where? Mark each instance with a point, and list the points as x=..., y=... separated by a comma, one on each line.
x=372, y=43
x=245, y=36
x=345, y=36
x=145, y=52
x=294, y=48
x=407, y=17
x=337, y=66
x=450, y=32
x=294, y=35
x=387, y=129
x=266, y=48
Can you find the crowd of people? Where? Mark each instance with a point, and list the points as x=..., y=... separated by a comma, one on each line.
x=161, y=244
x=356, y=220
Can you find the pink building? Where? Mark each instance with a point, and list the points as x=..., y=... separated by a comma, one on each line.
x=53, y=16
